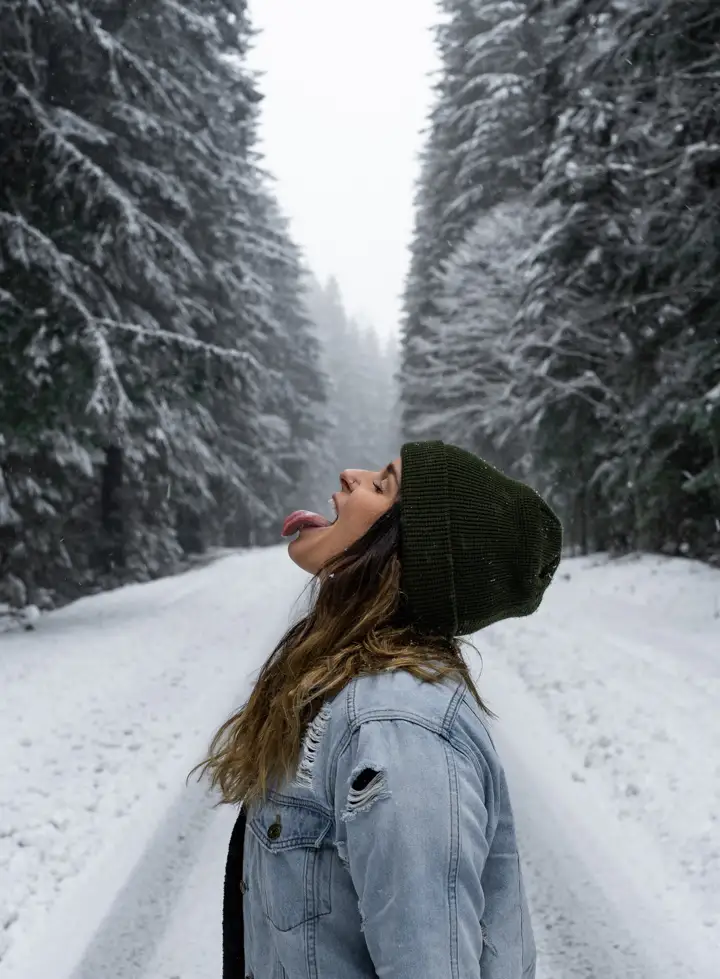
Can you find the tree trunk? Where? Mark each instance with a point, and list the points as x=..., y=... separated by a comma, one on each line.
x=112, y=511
x=583, y=515
x=239, y=530
x=190, y=532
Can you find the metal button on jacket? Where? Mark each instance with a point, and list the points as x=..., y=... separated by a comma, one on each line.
x=243, y=887
x=274, y=831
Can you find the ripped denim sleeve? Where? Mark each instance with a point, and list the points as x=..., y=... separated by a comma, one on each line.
x=310, y=747
x=400, y=816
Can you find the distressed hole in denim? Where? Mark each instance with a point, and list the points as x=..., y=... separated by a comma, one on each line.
x=311, y=742
x=364, y=779
x=368, y=785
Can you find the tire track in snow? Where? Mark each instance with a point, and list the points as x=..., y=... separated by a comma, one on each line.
x=126, y=942
x=601, y=904
x=110, y=704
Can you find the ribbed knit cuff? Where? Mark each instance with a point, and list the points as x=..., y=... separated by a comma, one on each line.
x=426, y=551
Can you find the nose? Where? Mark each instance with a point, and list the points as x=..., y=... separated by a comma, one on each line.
x=350, y=478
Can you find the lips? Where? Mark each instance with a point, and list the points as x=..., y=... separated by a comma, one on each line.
x=304, y=520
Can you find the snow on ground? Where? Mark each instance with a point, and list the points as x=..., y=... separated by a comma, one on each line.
x=191, y=944
x=625, y=658
x=608, y=723
x=106, y=707
x=603, y=904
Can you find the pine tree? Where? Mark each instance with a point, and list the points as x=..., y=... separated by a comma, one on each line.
x=289, y=445
x=482, y=148
x=141, y=294
x=619, y=326
x=464, y=388
x=603, y=389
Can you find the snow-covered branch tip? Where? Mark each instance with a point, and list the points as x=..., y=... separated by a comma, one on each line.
x=189, y=343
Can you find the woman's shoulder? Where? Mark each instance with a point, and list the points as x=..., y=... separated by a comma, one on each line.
x=359, y=713
x=446, y=707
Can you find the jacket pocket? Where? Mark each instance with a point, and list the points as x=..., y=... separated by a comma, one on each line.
x=295, y=879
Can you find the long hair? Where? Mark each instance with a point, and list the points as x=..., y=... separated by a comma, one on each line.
x=357, y=625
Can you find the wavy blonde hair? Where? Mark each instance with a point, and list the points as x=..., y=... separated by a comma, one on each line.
x=357, y=625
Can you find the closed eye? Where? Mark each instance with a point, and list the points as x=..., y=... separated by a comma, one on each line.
x=378, y=488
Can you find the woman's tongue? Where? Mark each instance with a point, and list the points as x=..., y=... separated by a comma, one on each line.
x=302, y=519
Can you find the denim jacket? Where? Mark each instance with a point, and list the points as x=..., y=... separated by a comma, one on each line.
x=392, y=853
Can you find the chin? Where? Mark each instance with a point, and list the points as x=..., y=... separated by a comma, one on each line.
x=302, y=552
x=295, y=554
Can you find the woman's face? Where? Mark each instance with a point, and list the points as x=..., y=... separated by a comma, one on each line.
x=364, y=496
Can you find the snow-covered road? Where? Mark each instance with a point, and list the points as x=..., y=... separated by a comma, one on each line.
x=602, y=903
x=608, y=727
x=105, y=710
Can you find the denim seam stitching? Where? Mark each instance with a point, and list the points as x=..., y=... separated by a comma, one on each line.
x=453, y=870
x=452, y=708
x=295, y=803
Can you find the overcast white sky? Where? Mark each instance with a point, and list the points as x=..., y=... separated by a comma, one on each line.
x=346, y=94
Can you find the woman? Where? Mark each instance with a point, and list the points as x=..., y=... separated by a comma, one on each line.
x=380, y=838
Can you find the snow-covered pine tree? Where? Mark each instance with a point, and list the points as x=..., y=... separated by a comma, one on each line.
x=377, y=420
x=467, y=379
x=198, y=137
x=287, y=447
x=482, y=148
x=65, y=230
x=613, y=363
x=674, y=428
x=618, y=332
x=126, y=146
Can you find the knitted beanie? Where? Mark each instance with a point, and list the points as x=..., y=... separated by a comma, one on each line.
x=476, y=546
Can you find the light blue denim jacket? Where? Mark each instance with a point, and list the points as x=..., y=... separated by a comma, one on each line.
x=392, y=853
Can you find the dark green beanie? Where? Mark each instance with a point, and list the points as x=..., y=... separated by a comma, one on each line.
x=477, y=546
